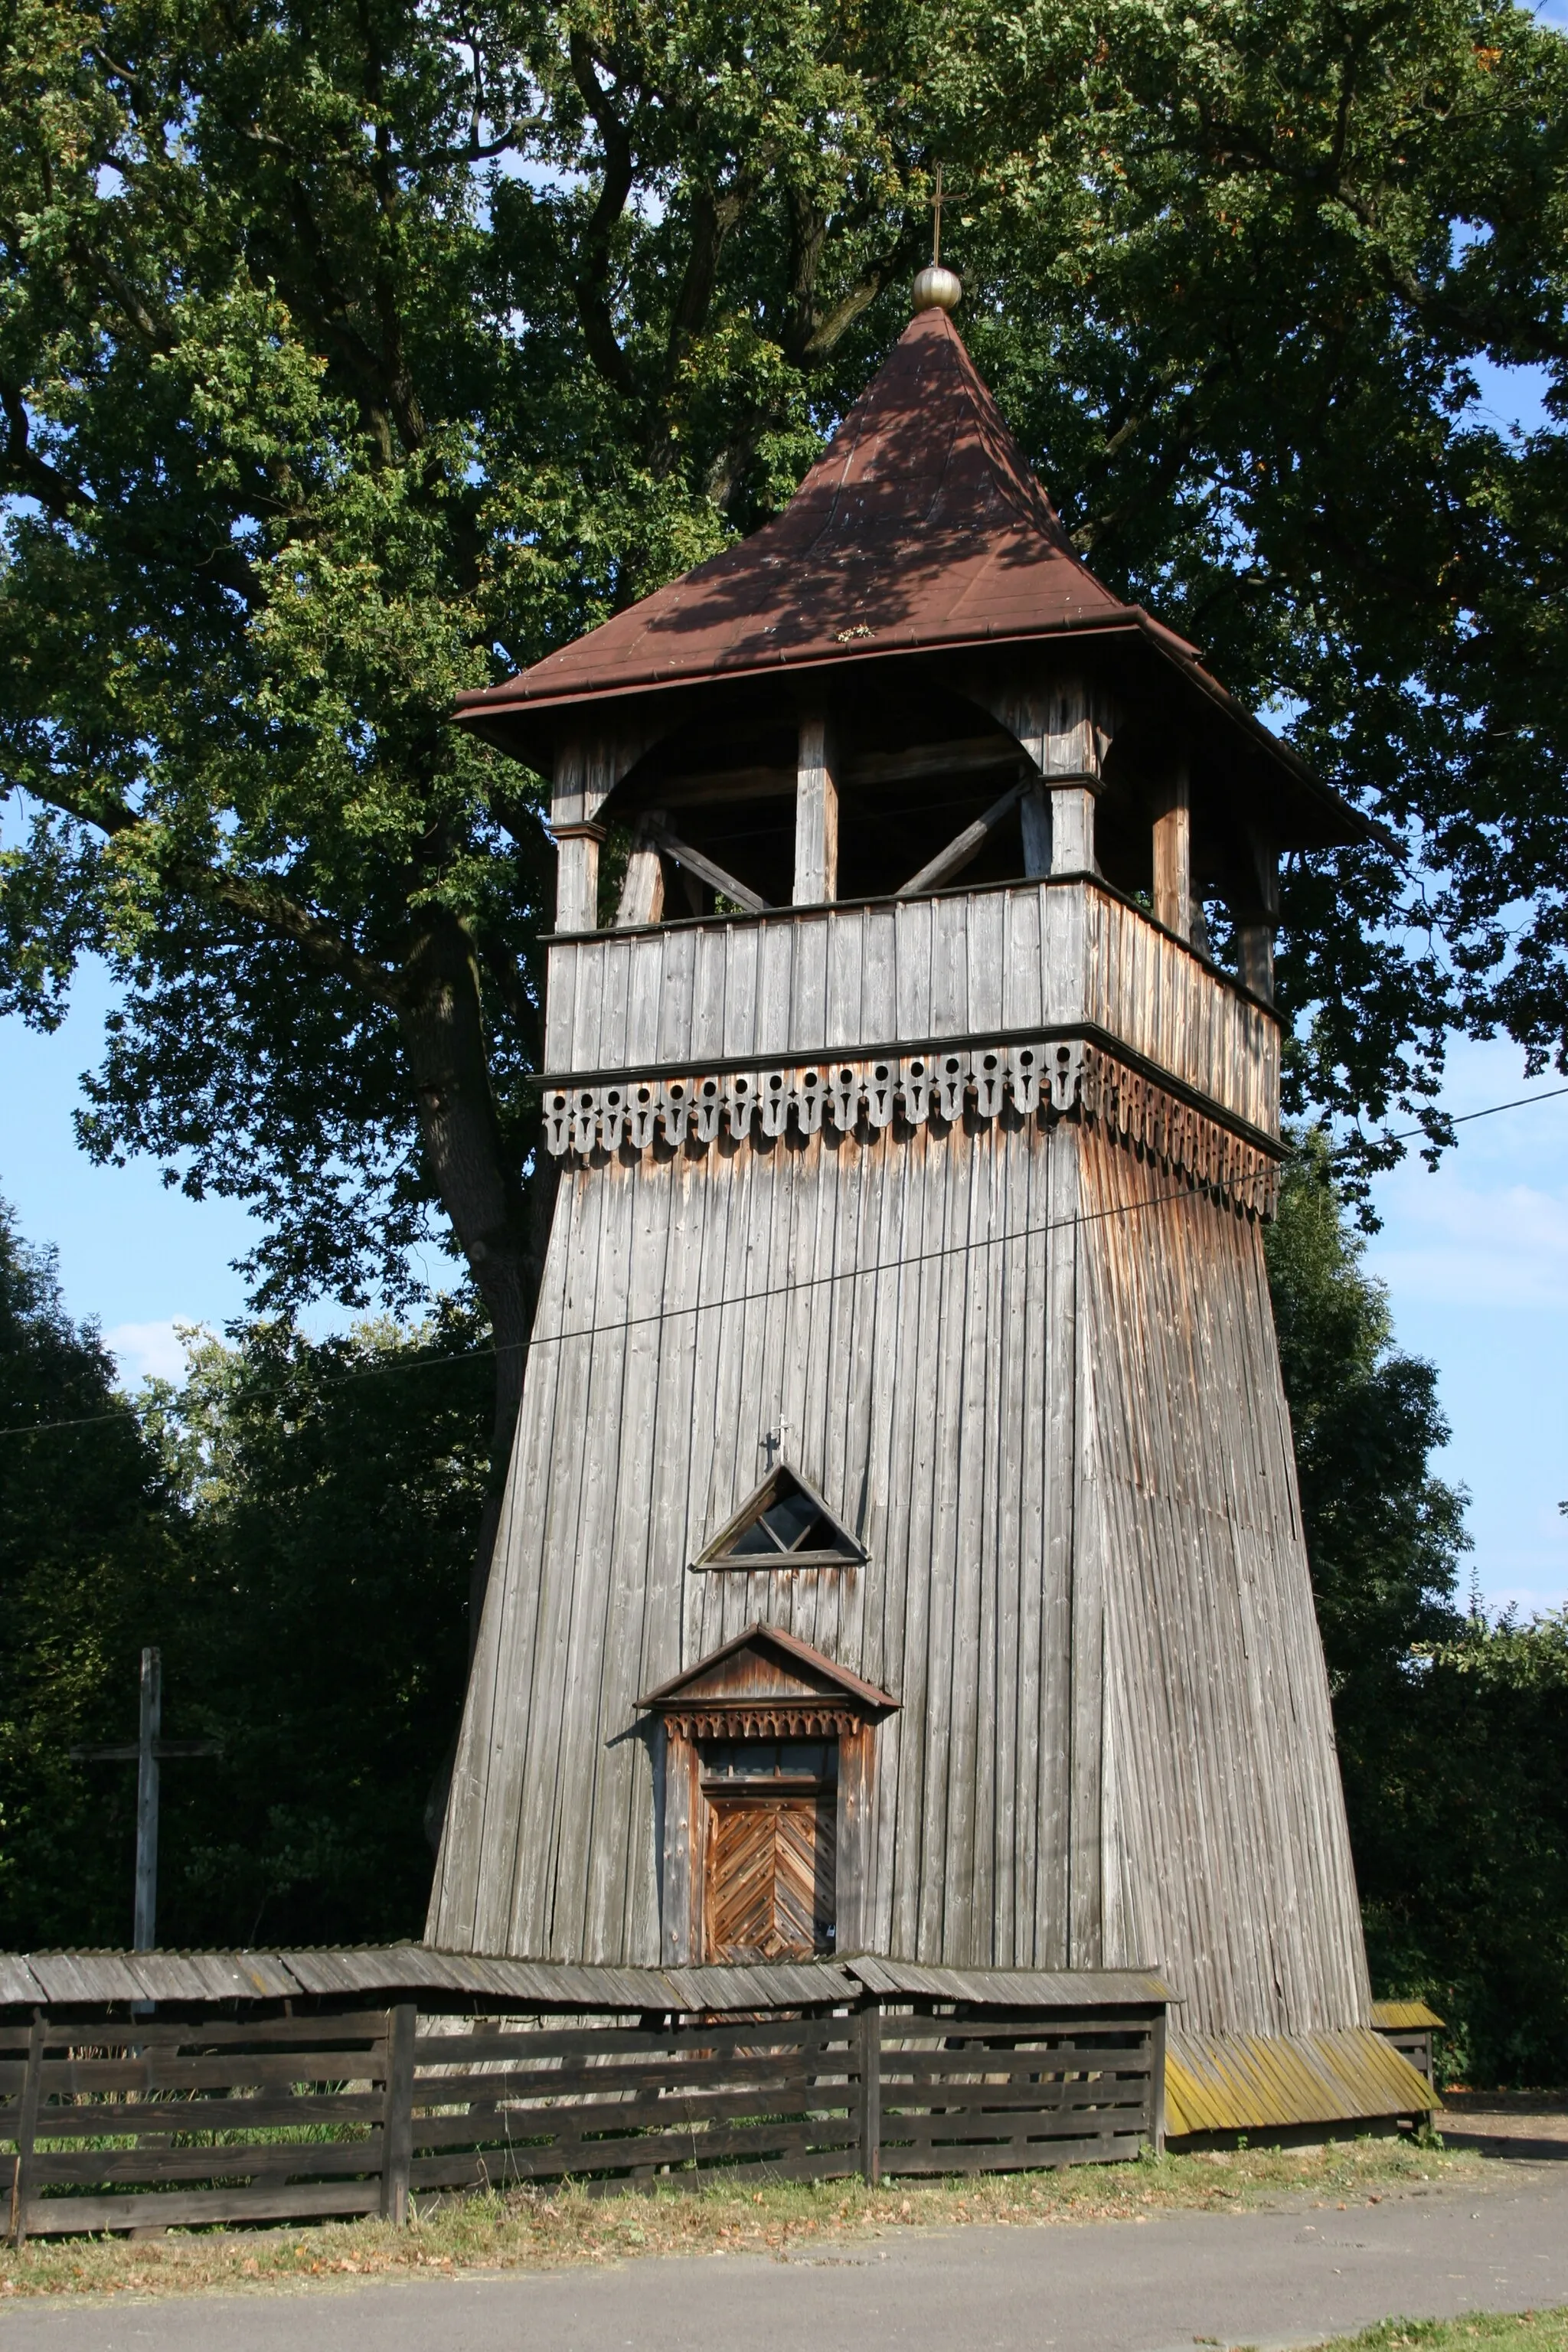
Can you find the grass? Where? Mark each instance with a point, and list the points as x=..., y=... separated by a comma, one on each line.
x=1522, y=2331
x=550, y=2229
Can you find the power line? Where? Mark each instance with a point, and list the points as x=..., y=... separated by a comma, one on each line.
x=664, y=1314
x=1462, y=1118
x=129, y=1411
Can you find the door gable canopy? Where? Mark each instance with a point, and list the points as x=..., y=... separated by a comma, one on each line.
x=764, y=1685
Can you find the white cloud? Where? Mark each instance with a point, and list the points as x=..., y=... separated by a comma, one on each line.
x=149, y=1352
x=1464, y=1245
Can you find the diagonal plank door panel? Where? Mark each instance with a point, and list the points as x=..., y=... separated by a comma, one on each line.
x=769, y=1891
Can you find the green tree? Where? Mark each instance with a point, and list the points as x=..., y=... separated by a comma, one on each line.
x=349, y=356
x=331, y=1491
x=1452, y=1731
x=1463, y=1847
x=1384, y=1537
x=91, y=1568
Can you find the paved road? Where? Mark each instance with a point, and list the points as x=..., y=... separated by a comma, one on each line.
x=1163, y=2286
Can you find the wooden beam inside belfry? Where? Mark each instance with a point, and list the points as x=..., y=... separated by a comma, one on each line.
x=964, y=847
x=815, y=813
x=1035, y=816
x=1173, y=855
x=707, y=869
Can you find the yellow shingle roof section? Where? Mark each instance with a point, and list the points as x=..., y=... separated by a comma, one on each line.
x=1255, y=2082
x=1403, y=2016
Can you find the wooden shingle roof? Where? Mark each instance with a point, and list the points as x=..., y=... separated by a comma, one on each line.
x=921, y=531
x=920, y=525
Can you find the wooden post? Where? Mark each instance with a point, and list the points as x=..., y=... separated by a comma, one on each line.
x=1174, y=856
x=1035, y=814
x=1157, y=2084
x=642, y=892
x=1065, y=726
x=147, y=1752
x=869, y=2041
x=577, y=876
x=397, y=2118
x=816, y=814
x=1072, y=828
x=27, y=2130
x=587, y=771
x=145, y=1935
x=1258, y=920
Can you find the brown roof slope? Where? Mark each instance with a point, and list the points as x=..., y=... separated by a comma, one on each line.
x=920, y=524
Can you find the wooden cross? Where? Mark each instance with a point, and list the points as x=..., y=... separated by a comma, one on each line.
x=147, y=1752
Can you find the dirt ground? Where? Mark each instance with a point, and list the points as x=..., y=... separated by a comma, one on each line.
x=1532, y=2123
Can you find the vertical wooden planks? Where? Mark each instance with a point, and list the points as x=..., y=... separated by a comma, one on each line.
x=815, y=813
x=806, y=1021
x=397, y=2116
x=676, y=988
x=742, y=948
x=843, y=1016
x=774, y=989
x=560, y=1005
x=1221, y=1763
x=27, y=2129
x=914, y=929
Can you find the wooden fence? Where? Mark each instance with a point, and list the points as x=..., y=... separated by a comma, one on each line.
x=147, y=2123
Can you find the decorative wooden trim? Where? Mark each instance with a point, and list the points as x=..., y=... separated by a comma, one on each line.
x=764, y=1719
x=1149, y=1119
x=1050, y=1078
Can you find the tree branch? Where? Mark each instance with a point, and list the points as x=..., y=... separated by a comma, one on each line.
x=712, y=218
x=56, y=492
x=507, y=980
x=474, y=150
x=275, y=911
x=591, y=281
x=257, y=901
x=825, y=336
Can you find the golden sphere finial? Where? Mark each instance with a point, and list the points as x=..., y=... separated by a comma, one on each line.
x=937, y=288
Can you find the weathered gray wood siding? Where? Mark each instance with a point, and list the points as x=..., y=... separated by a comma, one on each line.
x=908, y=1368
x=1032, y=1369
x=1015, y=960
x=1060, y=1438
x=1225, y=1848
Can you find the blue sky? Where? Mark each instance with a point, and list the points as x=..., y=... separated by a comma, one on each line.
x=1475, y=1258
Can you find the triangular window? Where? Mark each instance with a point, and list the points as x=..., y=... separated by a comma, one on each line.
x=785, y=1525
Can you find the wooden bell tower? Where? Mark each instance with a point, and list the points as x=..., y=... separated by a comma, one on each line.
x=901, y=1550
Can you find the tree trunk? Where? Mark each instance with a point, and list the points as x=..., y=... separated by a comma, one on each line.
x=501, y=1224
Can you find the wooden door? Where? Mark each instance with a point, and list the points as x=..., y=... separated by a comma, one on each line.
x=771, y=1870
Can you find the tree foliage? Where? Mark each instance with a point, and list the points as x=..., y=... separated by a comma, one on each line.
x=1462, y=1847
x=1452, y=1729
x=331, y=1489
x=90, y=1569
x=352, y=355
x=294, y=1531
x=1384, y=1537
